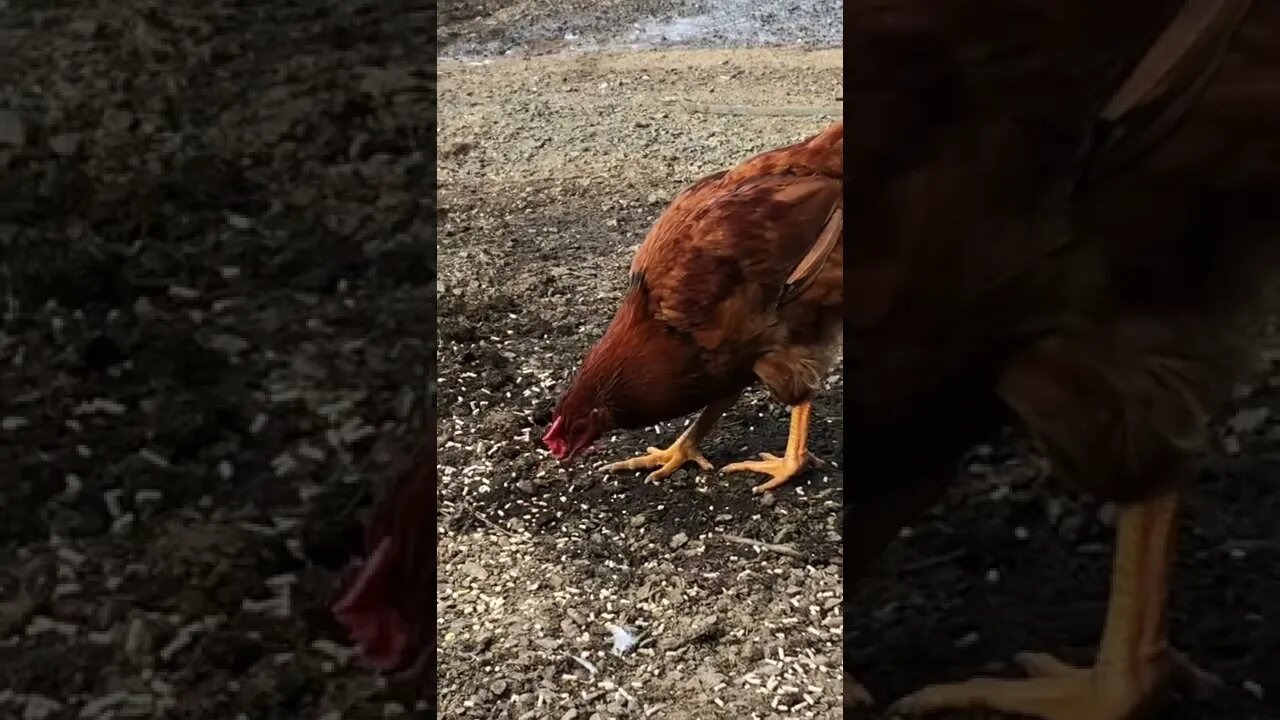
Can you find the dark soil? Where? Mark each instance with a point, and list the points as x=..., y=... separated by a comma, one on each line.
x=1009, y=563
x=216, y=280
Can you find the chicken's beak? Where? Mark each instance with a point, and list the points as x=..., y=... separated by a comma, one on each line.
x=560, y=449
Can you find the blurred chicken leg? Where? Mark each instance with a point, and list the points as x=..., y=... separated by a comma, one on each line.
x=1134, y=662
x=795, y=459
x=854, y=694
x=684, y=450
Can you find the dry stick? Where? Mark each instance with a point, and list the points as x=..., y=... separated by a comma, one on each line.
x=785, y=110
x=476, y=514
x=933, y=561
x=780, y=549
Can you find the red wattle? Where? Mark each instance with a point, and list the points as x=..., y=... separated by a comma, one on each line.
x=379, y=631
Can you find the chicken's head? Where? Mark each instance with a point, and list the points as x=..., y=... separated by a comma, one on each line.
x=575, y=425
x=638, y=374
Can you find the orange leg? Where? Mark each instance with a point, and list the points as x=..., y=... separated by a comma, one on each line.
x=1134, y=661
x=793, y=461
x=683, y=450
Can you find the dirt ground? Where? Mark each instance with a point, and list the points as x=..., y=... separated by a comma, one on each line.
x=552, y=166
x=216, y=280
x=550, y=171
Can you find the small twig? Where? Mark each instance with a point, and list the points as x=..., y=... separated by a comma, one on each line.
x=476, y=514
x=931, y=562
x=584, y=663
x=771, y=547
x=780, y=111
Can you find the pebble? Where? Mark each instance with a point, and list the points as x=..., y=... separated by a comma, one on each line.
x=39, y=707
x=98, y=706
x=152, y=457
x=84, y=27
x=678, y=540
x=13, y=130
x=41, y=624
x=1249, y=420
x=65, y=144
x=70, y=555
x=148, y=495
x=138, y=641
x=73, y=486
x=1108, y=514
x=1231, y=445
x=123, y=524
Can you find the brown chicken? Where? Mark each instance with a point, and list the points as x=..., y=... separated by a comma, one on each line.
x=389, y=601
x=738, y=281
x=1066, y=216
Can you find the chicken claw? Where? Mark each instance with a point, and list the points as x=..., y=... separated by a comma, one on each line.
x=1058, y=691
x=794, y=460
x=1134, y=663
x=667, y=461
x=683, y=450
x=781, y=469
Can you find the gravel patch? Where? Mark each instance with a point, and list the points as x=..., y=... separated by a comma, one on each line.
x=534, y=27
x=215, y=301
x=551, y=171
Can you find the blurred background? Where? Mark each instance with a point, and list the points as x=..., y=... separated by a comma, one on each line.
x=216, y=311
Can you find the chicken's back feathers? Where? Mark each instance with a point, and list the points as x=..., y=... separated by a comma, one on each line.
x=722, y=254
x=710, y=289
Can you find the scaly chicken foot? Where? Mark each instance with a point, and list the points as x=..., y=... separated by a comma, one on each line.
x=1134, y=663
x=684, y=450
x=793, y=461
x=1059, y=691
